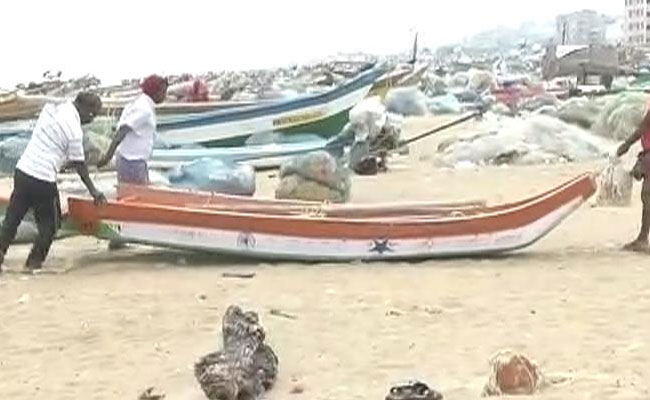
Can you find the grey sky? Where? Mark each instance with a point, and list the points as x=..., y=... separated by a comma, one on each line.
x=120, y=38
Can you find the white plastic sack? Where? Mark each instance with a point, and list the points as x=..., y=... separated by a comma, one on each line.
x=447, y=104
x=407, y=101
x=213, y=175
x=368, y=117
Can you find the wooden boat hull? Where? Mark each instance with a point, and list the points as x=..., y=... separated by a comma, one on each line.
x=15, y=107
x=398, y=78
x=224, y=202
x=497, y=230
x=266, y=155
x=324, y=114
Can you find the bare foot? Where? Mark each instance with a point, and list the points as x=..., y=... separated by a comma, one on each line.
x=637, y=246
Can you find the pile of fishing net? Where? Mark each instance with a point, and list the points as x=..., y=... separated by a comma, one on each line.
x=315, y=176
x=621, y=115
x=581, y=111
x=95, y=146
x=537, y=139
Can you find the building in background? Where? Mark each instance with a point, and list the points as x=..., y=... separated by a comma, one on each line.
x=582, y=28
x=637, y=22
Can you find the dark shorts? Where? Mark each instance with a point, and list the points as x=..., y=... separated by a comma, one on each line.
x=132, y=171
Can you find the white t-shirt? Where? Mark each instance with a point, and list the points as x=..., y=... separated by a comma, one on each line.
x=140, y=116
x=57, y=137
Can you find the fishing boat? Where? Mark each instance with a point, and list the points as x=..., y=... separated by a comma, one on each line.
x=324, y=114
x=400, y=76
x=225, y=202
x=259, y=156
x=491, y=230
x=16, y=106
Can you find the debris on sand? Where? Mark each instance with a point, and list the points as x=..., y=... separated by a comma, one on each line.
x=414, y=390
x=246, y=367
x=152, y=394
x=512, y=374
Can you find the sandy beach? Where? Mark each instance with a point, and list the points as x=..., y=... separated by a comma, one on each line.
x=108, y=325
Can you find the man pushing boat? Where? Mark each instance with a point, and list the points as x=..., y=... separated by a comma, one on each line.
x=135, y=136
x=57, y=137
x=641, y=171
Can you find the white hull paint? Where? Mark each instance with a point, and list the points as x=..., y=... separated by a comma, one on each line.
x=235, y=129
x=253, y=244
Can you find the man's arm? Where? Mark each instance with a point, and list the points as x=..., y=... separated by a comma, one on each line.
x=117, y=139
x=82, y=170
x=643, y=127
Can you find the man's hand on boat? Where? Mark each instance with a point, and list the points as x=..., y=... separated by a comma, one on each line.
x=103, y=162
x=99, y=198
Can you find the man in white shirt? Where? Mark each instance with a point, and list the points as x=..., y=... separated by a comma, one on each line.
x=135, y=134
x=56, y=138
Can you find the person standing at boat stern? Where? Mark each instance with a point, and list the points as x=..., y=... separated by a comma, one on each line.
x=134, y=139
x=641, y=171
x=56, y=138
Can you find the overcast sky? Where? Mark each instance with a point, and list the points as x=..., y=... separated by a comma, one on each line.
x=120, y=38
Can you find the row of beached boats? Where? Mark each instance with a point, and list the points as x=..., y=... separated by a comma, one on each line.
x=217, y=124
x=296, y=230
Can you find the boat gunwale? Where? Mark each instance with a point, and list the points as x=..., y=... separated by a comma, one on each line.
x=329, y=207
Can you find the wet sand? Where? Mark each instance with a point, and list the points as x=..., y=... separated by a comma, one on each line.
x=108, y=325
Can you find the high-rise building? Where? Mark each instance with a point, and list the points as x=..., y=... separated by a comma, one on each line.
x=581, y=28
x=637, y=22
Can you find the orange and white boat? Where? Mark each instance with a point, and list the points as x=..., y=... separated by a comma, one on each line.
x=477, y=231
x=224, y=202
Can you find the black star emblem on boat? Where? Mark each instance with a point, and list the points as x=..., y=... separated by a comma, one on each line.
x=381, y=246
x=246, y=240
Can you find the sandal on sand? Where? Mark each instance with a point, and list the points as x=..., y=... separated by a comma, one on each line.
x=413, y=391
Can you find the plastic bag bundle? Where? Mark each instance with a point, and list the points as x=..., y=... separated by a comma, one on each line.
x=213, y=175
x=407, y=101
x=615, y=186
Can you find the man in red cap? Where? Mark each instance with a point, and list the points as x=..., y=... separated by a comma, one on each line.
x=136, y=129
x=134, y=139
